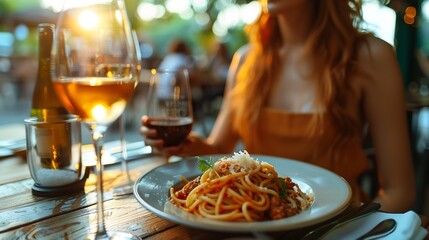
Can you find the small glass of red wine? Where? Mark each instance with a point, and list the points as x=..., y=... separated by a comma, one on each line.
x=170, y=105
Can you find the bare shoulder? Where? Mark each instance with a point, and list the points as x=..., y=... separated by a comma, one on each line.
x=240, y=55
x=377, y=59
x=374, y=52
x=380, y=78
x=237, y=61
x=242, y=51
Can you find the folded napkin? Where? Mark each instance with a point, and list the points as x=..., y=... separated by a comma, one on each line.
x=408, y=227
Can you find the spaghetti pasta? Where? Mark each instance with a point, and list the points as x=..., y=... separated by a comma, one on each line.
x=241, y=188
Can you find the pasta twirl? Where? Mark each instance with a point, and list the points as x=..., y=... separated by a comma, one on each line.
x=241, y=188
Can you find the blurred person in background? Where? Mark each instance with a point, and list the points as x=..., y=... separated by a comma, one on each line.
x=212, y=80
x=218, y=65
x=179, y=56
x=217, y=68
x=310, y=85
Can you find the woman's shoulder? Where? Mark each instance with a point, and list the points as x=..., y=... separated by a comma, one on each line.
x=373, y=51
x=236, y=63
x=378, y=61
x=241, y=53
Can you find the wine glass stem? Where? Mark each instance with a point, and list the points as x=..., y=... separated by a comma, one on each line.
x=124, y=148
x=97, y=139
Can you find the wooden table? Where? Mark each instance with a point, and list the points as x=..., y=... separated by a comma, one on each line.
x=25, y=216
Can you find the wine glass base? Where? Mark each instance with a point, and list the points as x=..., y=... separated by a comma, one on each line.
x=112, y=235
x=123, y=190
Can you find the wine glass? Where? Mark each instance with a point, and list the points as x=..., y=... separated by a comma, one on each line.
x=128, y=187
x=170, y=105
x=94, y=72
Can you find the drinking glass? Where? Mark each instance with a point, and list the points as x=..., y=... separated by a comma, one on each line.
x=170, y=105
x=94, y=72
x=128, y=187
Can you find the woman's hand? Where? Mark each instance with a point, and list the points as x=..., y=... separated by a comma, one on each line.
x=150, y=134
x=193, y=145
x=151, y=139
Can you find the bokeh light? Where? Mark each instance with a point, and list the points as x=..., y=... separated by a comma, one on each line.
x=175, y=6
x=230, y=14
x=200, y=5
x=88, y=19
x=202, y=19
x=425, y=10
x=380, y=19
x=410, y=15
x=250, y=12
x=150, y=11
x=21, y=32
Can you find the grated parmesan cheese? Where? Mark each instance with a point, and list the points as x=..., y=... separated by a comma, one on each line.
x=240, y=161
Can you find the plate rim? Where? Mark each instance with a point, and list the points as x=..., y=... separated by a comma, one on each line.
x=268, y=226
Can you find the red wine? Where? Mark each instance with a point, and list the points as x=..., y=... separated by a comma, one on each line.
x=171, y=130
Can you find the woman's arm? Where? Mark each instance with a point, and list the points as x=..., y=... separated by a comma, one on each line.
x=222, y=139
x=223, y=135
x=384, y=107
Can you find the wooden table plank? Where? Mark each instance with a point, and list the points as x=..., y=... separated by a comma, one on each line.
x=73, y=216
x=24, y=216
x=185, y=233
x=125, y=215
x=13, y=169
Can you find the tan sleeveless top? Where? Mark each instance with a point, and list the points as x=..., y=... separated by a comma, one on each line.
x=286, y=134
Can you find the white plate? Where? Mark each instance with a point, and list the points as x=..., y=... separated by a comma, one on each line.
x=331, y=195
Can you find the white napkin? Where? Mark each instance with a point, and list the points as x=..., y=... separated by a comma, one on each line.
x=408, y=227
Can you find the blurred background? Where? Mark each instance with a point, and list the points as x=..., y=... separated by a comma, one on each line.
x=210, y=31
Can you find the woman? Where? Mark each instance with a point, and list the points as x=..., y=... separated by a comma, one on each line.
x=307, y=87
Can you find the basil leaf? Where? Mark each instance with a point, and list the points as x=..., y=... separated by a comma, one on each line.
x=203, y=165
x=283, y=185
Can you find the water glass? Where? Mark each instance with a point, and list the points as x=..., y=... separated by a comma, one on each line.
x=54, y=155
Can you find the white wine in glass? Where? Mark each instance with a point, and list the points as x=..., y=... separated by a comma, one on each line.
x=170, y=105
x=94, y=71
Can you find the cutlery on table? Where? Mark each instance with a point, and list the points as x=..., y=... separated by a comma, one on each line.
x=361, y=211
x=13, y=147
x=382, y=229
